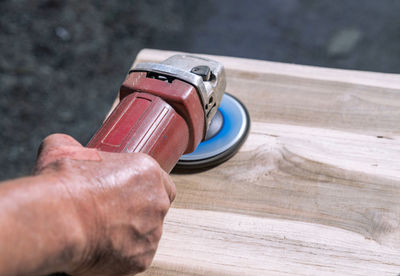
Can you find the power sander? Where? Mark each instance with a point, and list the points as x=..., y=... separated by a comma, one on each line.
x=177, y=112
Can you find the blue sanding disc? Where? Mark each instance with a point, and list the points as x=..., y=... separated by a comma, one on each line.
x=227, y=132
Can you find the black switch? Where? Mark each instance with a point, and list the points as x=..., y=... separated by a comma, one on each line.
x=203, y=71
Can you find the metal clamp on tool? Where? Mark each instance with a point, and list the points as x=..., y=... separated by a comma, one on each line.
x=207, y=76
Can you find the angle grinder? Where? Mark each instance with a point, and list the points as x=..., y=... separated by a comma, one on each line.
x=177, y=112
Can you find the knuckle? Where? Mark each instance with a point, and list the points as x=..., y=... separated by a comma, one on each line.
x=143, y=264
x=156, y=237
x=140, y=260
x=150, y=165
x=151, y=173
x=173, y=191
x=157, y=206
x=148, y=160
x=163, y=206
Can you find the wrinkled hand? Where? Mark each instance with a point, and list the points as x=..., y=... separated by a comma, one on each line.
x=120, y=200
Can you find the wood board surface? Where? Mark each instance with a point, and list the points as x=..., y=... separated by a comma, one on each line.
x=315, y=189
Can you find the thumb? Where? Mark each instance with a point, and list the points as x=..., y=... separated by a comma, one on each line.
x=58, y=146
x=57, y=140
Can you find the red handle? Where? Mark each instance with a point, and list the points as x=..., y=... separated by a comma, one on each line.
x=144, y=123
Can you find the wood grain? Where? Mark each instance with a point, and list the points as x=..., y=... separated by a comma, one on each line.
x=314, y=190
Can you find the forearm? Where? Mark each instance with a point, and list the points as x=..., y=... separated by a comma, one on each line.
x=40, y=232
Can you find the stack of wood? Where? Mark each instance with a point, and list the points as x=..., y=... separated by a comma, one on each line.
x=314, y=190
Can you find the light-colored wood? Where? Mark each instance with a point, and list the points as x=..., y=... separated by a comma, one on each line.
x=315, y=190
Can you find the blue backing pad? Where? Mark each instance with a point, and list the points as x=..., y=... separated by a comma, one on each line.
x=226, y=142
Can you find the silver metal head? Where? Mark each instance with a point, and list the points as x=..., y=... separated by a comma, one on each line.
x=207, y=76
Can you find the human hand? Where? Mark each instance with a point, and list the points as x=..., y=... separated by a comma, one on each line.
x=120, y=201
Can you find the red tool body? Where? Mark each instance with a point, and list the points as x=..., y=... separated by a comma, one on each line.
x=160, y=116
x=162, y=119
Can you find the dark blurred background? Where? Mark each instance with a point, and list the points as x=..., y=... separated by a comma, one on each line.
x=61, y=62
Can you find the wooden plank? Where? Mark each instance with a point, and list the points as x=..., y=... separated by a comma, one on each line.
x=314, y=190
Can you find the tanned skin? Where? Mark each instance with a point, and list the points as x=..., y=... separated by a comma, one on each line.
x=83, y=212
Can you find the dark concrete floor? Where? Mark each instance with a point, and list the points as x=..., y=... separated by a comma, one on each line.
x=61, y=62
